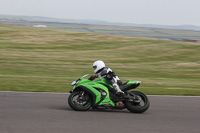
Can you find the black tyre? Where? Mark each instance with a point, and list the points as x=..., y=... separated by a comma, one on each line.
x=140, y=105
x=80, y=102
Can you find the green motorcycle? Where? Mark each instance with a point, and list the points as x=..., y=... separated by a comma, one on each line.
x=99, y=94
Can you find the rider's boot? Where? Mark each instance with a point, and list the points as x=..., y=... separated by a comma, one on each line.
x=120, y=93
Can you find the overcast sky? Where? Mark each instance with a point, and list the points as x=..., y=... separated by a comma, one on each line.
x=164, y=12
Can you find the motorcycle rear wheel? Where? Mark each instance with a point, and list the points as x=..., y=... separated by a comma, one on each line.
x=79, y=104
x=139, y=106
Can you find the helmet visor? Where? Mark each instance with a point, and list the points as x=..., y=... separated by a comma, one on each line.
x=94, y=67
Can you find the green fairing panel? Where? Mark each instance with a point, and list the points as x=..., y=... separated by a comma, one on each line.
x=107, y=98
x=132, y=82
x=92, y=85
x=103, y=81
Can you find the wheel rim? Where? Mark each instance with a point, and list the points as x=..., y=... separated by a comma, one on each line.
x=140, y=102
x=81, y=102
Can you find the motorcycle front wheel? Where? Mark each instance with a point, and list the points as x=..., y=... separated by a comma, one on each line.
x=139, y=105
x=79, y=101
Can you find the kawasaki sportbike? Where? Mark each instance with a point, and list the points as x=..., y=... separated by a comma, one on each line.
x=99, y=94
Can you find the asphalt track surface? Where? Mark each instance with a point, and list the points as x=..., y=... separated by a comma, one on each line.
x=50, y=113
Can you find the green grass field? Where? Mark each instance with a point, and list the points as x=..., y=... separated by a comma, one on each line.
x=33, y=59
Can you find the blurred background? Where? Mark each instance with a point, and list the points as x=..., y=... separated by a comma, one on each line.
x=46, y=44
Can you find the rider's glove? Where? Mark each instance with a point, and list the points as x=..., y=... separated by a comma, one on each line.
x=91, y=78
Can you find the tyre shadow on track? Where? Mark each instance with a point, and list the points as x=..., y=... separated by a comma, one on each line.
x=109, y=110
x=117, y=111
x=67, y=108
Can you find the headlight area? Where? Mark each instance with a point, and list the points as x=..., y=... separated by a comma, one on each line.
x=73, y=83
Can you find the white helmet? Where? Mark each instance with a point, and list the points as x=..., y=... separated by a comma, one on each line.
x=98, y=65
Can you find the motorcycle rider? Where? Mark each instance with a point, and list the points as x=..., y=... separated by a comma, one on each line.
x=101, y=71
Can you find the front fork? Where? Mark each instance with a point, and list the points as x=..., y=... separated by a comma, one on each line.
x=81, y=96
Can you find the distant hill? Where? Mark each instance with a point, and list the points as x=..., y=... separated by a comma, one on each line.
x=98, y=22
x=93, y=26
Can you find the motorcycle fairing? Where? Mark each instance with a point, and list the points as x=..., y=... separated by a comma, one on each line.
x=99, y=92
x=132, y=84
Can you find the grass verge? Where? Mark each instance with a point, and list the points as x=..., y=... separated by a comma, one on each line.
x=44, y=60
